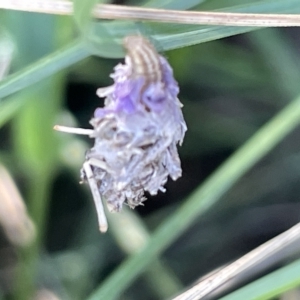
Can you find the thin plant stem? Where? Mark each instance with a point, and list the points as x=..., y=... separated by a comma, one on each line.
x=109, y=11
x=274, y=284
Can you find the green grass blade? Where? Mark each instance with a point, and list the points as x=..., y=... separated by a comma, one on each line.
x=82, y=13
x=43, y=68
x=9, y=108
x=131, y=238
x=280, y=57
x=108, y=35
x=269, y=286
x=203, y=199
x=177, y=36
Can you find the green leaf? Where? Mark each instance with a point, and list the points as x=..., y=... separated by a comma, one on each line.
x=107, y=36
x=83, y=13
x=280, y=57
x=83, y=17
x=9, y=108
x=43, y=68
x=207, y=195
x=34, y=136
x=269, y=286
x=138, y=26
x=179, y=36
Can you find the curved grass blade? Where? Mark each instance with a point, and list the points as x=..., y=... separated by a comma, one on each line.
x=82, y=13
x=108, y=35
x=49, y=65
x=9, y=108
x=280, y=57
x=176, y=35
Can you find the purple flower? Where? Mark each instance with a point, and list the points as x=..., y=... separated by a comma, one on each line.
x=137, y=130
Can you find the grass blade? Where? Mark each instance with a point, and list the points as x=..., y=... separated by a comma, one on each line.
x=172, y=36
x=82, y=13
x=43, y=68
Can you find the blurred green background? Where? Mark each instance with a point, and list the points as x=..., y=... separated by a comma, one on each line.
x=230, y=88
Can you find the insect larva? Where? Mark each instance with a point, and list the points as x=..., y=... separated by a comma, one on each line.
x=144, y=57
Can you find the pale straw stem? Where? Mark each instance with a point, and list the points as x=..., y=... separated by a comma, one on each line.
x=97, y=197
x=107, y=11
x=251, y=259
x=73, y=130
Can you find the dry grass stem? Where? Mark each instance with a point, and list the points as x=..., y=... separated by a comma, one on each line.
x=258, y=255
x=14, y=218
x=80, y=131
x=102, y=11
